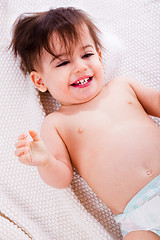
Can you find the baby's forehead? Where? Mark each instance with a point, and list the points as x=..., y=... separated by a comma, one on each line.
x=61, y=44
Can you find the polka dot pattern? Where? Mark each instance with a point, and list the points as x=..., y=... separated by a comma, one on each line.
x=28, y=208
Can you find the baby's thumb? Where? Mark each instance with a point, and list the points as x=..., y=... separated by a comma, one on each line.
x=34, y=135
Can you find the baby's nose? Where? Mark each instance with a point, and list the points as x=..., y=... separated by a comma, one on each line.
x=80, y=67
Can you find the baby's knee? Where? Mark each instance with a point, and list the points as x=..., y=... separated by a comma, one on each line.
x=141, y=235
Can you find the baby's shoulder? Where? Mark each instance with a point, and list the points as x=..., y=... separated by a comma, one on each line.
x=119, y=82
x=122, y=80
x=50, y=120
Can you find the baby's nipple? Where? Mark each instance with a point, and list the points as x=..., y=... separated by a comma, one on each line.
x=80, y=130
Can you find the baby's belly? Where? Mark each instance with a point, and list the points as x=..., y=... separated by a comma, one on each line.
x=119, y=165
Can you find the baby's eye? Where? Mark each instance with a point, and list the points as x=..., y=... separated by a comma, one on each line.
x=63, y=63
x=87, y=55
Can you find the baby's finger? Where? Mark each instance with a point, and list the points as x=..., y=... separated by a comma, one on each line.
x=25, y=159
x=22, y=143
x=23, y=136
x=21, y=151
x=34, y=135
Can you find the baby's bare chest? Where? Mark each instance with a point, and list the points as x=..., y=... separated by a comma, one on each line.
x=105, y=130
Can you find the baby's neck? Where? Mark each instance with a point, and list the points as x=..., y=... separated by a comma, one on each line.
x=79, y=103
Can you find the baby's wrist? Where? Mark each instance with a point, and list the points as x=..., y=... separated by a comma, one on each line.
x=47, y=160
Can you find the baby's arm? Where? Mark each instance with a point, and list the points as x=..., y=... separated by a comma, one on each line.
x=148, y=97
x=51, y=158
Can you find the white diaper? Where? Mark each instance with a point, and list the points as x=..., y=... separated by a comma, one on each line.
x=143, y=211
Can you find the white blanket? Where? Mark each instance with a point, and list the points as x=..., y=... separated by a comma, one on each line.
x=29, y=209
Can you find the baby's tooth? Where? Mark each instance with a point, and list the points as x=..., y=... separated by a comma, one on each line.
x=83, y=81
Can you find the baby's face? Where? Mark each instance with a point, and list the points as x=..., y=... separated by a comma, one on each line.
x=76, y=78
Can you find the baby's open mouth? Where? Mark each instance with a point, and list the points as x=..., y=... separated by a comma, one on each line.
x=82, y=83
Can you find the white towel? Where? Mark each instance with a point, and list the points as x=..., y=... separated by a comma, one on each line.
x=29, y=209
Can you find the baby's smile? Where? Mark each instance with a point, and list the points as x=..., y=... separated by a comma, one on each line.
x=82, y=82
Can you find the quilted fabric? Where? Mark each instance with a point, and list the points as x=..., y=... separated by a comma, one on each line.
x=29, y=209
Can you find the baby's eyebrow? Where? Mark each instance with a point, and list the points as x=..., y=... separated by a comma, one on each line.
x=87, y=46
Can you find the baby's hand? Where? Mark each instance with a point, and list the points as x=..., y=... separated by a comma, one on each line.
x=31, y=152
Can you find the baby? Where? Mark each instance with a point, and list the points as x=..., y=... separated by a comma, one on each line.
x=104, y=131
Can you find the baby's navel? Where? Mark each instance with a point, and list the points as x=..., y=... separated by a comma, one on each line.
x=149, y=172
x=80, y=130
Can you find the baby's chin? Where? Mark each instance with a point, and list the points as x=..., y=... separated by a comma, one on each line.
x=80, y=101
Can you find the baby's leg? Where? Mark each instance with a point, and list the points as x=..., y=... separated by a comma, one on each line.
x=142, y=235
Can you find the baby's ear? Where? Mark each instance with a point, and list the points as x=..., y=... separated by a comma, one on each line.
x=38, y=82
x=100, y=56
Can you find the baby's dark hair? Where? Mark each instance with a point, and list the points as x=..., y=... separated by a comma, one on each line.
x=32, y=33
